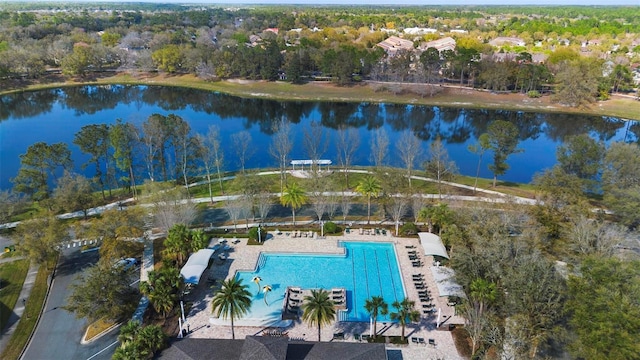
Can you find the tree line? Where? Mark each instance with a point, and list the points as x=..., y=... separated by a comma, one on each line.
x=218, y=44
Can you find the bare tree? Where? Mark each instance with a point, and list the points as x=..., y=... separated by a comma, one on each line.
x=149, y=138
x=379, y=147
x=264, y=203
x=243, y=147
x=439, y=166
x=409, y=149
x=234, y=209
x=170, y=206
x=11, y=203
x=347, y=145
x=211, y=154
x=246, y=208
x=186, y=150
x=315, y=143
x=281, y=145
x=594, y=237
x=398, y=204
x=332, y=204
x=345, y=206
x=418, y=202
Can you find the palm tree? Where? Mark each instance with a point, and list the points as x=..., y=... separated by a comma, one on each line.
x=151, y=338
x=405, y=313
x=232, y=301
x=318, y=309
x=256, y=280
x=482, y=291
x=266, y=289
x=128, y=333
x=374, y=306
x=294, y=196
x=369, y=187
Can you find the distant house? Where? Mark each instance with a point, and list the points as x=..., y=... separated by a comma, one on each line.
x=272, y=348
x=539, y=58
x=458, y=31
x=394, y=44
x=503, y=40
x=273, y=30
x=447, y=43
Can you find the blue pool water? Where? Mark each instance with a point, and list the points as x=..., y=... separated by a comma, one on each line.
x=366, y=269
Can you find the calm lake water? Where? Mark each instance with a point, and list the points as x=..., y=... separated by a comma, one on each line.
x=56, y=115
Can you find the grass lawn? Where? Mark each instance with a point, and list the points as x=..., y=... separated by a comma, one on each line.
x=28, y=322
x=12, y=275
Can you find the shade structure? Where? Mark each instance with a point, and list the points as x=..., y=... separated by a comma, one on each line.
x=445, y=281
x=432, y=244
x=196, y=265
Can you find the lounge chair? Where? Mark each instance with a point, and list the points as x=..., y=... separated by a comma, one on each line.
x=414, y=340
x=357, y=336
x=347, y=230
x=432, y=342
x=421, y=341
x=409, y=247
x=338, y=336
x=384, y=232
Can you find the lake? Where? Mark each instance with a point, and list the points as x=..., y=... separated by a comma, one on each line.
x=56, y=115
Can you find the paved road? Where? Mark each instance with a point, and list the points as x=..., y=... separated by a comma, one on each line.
x=59, y=333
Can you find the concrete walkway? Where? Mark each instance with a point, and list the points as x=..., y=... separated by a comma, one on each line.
x=18, y=309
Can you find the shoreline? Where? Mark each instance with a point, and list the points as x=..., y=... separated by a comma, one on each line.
x=623, y=107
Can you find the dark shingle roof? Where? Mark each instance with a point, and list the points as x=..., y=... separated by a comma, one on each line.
x=270, y=348
x=264, y=348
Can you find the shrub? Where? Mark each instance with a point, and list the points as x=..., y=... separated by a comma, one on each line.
x=409, y=229
x=253, y=234
x=534, y=94
x=331, y=228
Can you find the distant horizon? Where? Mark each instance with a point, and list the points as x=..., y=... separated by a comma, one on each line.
x=541, y=3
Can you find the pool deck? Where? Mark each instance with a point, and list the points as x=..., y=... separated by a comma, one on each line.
x=242, y=257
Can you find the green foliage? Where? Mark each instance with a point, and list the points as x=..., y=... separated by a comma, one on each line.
x=120, y=231
x=110, y=39
x=73, y=193
x=168, y=58
x=405, y=313
x=503, y=139
x=137, y=342
x=577, y=82
x=376, y=306
x=582, y=156
x=181, y=242
x=102, y=291
x=293, y=196
x=604, y=309
x=38, y=165
x=318, y=309
x=253, y=234
x=331, y=228
x=408, y=229
x=621, y=182
x=39, y=238
x=369, y=187
x=232, y=301
x=163, y=289
x=533, y=94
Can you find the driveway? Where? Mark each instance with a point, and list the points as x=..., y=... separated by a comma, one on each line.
x=59, y=333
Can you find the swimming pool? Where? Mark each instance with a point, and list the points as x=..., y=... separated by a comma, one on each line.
x=366, y=269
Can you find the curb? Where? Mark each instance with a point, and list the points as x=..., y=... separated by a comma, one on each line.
x=84, y=340
x=44, y=306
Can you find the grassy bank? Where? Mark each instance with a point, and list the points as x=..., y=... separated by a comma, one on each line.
x=618, y=106
x=12, y=275
x=30, y=317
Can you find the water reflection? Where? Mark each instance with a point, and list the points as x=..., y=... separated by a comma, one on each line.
x=23, y=115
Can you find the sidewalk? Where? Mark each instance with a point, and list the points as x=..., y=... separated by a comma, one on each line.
x=18, y=309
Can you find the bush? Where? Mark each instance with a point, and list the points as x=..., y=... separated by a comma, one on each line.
x=534, y=94
x=409, y=229
x=331, y=228
x=253, y=234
